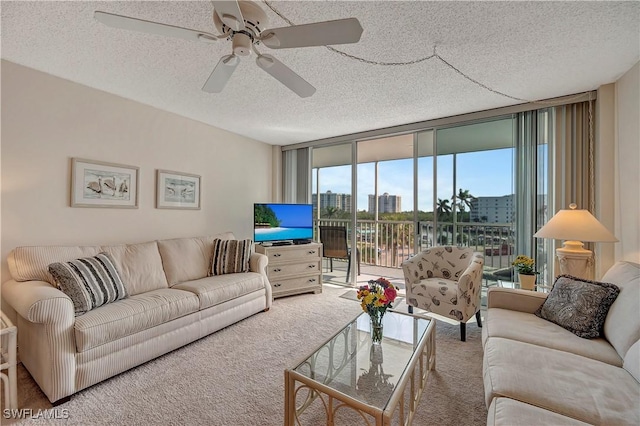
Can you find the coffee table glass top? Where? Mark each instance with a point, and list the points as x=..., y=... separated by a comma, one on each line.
x=350, y=364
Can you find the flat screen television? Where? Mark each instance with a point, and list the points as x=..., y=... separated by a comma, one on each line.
x=274, y=222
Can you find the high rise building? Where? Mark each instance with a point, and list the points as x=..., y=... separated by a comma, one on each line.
x=386, y=203
x=493, y=209
x=502, y=209
x=330, y=199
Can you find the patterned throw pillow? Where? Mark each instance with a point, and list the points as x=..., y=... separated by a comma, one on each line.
x=89, y=282
x=230, y=256
x=579, y=305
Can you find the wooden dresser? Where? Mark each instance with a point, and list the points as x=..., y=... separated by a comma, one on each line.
x=294, y=269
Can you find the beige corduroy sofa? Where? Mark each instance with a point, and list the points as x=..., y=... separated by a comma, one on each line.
x=171, y=301
x=536, y=372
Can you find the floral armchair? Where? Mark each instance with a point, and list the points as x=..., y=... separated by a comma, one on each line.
x=447, y=281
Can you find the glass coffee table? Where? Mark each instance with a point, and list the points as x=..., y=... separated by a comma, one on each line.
x=348, y=380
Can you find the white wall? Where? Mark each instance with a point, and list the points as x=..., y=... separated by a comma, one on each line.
x=47, y=120
x=627, y=158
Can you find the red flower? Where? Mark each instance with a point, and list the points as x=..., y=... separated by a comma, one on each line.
x=390, y=294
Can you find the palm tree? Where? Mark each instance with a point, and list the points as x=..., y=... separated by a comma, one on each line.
x=443, y=215
x=330, y=210
x=464, y=199
x=443, y=207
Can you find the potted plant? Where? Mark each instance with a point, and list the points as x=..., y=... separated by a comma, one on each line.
x=526, y=271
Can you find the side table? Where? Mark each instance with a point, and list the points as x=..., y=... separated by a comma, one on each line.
x=8, y=335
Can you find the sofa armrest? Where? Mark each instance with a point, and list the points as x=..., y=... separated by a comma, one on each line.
x=258, y=263
x=46, y=338
x=38, y=302
x=514, y=299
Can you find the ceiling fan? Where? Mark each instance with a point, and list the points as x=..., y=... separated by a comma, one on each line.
x=244, y=23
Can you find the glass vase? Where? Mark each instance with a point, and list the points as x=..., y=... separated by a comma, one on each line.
x=376, y=330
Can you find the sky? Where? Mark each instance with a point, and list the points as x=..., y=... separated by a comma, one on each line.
x=483, y=173
x=293, y=215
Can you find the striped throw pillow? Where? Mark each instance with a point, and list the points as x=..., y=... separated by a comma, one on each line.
x=89, y=282
x=230, y=256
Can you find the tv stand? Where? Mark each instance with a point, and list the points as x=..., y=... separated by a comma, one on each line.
x=293, y=269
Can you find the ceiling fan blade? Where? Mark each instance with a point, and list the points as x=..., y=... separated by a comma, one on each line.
x=326, y=33
x=285, y=75
x=221, y=74
x=229, y=13
x=135, y=24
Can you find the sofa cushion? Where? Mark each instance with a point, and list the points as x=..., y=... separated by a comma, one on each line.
x=526, y=327
x=131, y=315
x=579, y=305
x=562, y=382
x=509, y=412
x=230, y=256
x=622, y=326
x=140, y=266
x=186, y=259
x=221, y=288
x=32, y=263
x=90, y=282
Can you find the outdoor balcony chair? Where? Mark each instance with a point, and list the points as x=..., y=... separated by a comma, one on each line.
x=334, y=246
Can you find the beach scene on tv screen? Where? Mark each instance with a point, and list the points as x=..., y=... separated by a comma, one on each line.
x=274, y=222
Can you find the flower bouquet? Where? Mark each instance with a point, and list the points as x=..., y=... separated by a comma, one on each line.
x=375, y=297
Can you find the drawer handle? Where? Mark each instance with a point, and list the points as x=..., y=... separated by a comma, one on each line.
x=312, y=280
x=277, y=285
x=277, y=270
x=312, y=252
x=277, y=255
x=311, y=266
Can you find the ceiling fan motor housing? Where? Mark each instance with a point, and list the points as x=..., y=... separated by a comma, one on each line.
x=254, y=21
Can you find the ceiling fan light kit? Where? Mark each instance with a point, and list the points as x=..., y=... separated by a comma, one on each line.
x=242, y=23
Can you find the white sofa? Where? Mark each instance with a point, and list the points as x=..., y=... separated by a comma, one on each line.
x=536, y=372
x=171, y=301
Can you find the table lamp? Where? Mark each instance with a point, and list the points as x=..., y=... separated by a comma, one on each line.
x=575, y=226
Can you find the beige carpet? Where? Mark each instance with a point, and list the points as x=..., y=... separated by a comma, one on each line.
x=236, y=376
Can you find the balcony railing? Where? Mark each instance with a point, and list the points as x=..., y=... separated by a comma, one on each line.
x=388, y=243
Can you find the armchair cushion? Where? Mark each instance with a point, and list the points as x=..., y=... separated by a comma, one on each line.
x=434, y=292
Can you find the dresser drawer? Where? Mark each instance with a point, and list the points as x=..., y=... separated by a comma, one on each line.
x=286, y=254
x=287, y=269
x=312, y=283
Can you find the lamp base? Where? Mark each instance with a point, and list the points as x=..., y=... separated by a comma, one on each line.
x=575, y=260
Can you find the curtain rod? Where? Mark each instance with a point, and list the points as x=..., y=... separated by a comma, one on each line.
x=445, y=121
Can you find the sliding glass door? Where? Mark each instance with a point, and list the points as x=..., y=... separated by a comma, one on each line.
x=334, y=205
x=483, y=184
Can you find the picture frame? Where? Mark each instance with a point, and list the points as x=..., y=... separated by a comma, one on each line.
x=177, y=190
x=101, y=184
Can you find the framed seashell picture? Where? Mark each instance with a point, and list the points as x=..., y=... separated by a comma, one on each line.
x=100, y=184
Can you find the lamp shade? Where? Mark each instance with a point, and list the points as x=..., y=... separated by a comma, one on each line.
x=578, y=225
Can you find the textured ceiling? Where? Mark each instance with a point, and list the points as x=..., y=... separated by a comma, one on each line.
x=529, y=50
